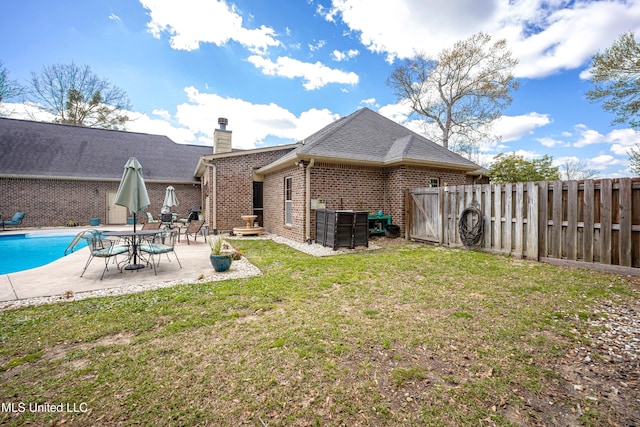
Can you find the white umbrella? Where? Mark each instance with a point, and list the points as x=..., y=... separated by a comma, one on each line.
x=170, y=198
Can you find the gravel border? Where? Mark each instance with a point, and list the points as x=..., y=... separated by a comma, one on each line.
x=242, y=268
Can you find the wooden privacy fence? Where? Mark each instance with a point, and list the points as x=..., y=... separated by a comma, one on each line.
x=591, y=223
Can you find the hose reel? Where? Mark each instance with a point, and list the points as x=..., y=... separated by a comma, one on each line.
x=471, y=234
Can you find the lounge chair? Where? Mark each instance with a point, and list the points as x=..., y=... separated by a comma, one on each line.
x=194, y=228
x=164, y=243
x=102, y=248
x=15, y=220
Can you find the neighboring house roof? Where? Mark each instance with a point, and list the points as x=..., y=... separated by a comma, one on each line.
x=36, y=149
x=368, y=138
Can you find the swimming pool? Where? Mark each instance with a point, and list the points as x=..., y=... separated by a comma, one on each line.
x=24, y=251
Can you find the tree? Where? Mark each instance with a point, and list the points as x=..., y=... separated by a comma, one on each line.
x=462, y=91
x=514, y=168
x=76, y=96
x=577, y=170
x=9, y=89
x=634, y=160
x=615, y=74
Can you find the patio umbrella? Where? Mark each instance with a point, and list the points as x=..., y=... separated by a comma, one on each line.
x=170, y=198
x=132, y=192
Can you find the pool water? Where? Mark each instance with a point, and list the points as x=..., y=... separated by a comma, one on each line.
x=24, y=251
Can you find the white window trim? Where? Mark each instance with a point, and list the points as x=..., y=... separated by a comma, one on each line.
x=288, y=203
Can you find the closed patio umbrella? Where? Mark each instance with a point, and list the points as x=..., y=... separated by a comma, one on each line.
x=132, y=192
x=170, y=198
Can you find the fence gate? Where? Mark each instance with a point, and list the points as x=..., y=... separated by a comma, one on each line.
x=426, y=220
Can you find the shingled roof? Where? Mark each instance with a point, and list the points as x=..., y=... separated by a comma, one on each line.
x=36, y=149
x=368, y=138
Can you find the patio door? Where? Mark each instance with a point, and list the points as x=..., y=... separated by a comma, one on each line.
x=258, y=207
x=115, y=214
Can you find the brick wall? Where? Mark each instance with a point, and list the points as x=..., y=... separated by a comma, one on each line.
x=274, y=186
x=52, y=202
x=233, y=194
x=347, y=187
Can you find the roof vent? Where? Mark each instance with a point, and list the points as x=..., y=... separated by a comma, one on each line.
x=223, y=123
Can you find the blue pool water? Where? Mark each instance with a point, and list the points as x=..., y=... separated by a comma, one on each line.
x=24, y=251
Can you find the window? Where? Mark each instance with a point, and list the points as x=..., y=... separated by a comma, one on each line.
x=288, y=200
x=434, y=182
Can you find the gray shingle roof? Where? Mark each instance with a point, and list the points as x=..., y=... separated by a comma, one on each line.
x=30, y=148
x=368, y=137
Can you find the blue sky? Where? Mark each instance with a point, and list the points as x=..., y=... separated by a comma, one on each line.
x=280, y=70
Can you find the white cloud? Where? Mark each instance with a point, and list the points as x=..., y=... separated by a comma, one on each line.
x=319, y=45
x=512, y=128
x=115, y=17
x=26, y=111
x=191, y=22
x=546, y=36
x=142, y=123
x=622, y=140
x=551, y=142
x=315, y=75
x=371, y=102
x=162, y=113
x=605, y=161
x=251, y=124
x=339, y=56
x=588, y=136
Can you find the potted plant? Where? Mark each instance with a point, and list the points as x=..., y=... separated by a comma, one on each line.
x=219, y=261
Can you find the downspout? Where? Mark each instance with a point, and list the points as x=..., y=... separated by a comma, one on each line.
x=308, y=199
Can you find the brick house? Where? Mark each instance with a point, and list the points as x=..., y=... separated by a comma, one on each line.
x=363, y=162
x=55, y=173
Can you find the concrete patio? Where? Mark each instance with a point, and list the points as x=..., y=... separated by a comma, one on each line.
x=60, y=280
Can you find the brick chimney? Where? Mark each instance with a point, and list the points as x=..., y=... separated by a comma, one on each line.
x=222, y=137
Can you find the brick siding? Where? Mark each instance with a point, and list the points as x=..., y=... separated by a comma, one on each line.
x=347, y=187
x=234, y=187
x=53, y=202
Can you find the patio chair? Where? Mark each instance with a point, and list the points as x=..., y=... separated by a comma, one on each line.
x=193, y=214
x=150, y=217
x=151, y=225
x=102, y=248
x=194, y=228
x=15, y=220
x=164, y=243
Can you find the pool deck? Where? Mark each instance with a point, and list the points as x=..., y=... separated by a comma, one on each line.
x=62, y=277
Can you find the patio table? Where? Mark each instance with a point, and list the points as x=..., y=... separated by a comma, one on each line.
x=133, y=238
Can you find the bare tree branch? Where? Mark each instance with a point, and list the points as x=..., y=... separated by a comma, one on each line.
x=75, y=95
x=462, y=91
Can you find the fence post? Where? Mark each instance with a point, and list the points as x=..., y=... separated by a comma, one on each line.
x=606, y=190
x=532, y=221
x=588, y=220
x=624, y=215
x=556, y=215
x=497, y=222
x=487, y=215
x=571, y=235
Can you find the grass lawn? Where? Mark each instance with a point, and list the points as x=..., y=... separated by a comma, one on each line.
x=406, y=335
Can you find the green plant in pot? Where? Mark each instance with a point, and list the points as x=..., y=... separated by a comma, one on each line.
x=219, y=261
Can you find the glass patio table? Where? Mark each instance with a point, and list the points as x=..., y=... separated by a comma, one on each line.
x=133, y=239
